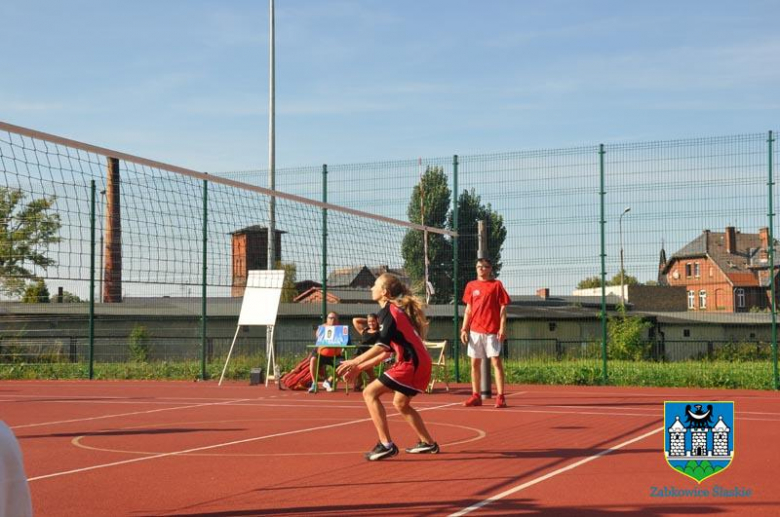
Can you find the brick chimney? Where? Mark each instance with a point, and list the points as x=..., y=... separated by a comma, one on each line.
x=731, y=240
x=112, y=285
x=250, y=252
x=763, y=234
x=543, y=293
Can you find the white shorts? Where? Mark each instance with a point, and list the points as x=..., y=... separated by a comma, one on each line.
x=483, y=345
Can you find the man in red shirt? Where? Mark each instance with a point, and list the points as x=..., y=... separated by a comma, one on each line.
x=484, y=328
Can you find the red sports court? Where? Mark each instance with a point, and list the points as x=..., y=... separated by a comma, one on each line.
x=97, y=448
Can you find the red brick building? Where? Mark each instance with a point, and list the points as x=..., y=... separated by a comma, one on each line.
x=727, y=272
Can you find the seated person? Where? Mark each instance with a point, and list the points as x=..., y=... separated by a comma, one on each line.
x=325, y=360
x=368, y=328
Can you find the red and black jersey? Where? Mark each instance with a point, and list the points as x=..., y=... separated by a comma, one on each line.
x=412, y=370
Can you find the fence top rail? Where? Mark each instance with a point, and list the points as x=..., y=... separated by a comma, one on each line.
x=54, y=139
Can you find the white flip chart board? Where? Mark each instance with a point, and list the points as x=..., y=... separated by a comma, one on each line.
x=261, y=297
x=260, y=307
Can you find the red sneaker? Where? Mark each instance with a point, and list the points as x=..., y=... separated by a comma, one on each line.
x=473, y=400
x=500, y=400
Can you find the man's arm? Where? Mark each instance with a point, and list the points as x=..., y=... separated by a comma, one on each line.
x=464, y=329
x=502, y=326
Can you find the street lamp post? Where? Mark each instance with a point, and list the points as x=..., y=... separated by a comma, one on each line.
x=622, y=278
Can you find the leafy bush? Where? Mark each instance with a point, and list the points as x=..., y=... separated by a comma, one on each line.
x=140, y=347
x=626, y=335
x=743, y=351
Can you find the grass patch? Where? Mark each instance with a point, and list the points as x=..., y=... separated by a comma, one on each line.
x=701, y=374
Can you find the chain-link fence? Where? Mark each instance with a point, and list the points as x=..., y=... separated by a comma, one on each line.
x=619, y=259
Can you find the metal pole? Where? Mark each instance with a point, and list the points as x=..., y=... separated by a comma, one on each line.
x=485, y=380
x=603, y=268
x=455, y=294
x=92, y=280
x=203, y=308
x=426, y=282
x=271, y=236
x=772, y=262
x=324, y=243
x=271, y=141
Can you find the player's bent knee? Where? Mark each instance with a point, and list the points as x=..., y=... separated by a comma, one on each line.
x=401, y=405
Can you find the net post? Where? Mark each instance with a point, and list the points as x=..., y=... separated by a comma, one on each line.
x=324, y=242
x=602, y=223
x=771, y=246
x=203, y=308
x=91, y=278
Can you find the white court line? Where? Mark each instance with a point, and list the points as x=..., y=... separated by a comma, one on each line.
x=549, y=475
x=215, y=446
x=668, y=396
x=103, y=417
x=357, y=404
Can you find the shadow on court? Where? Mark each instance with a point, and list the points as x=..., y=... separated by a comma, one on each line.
x=503, y=507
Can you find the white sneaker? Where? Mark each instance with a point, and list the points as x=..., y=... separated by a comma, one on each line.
x=312, y=388
x=326, y=385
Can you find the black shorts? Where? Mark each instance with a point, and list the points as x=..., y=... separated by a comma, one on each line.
x=390, y=383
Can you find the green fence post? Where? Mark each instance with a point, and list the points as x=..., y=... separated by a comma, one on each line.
x=770, y=184
x=92, y=279
x=455, y=318
x=204, y=289
x=603, y=222
x=324, y=242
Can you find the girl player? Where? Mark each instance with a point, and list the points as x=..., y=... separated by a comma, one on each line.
x=401, y=323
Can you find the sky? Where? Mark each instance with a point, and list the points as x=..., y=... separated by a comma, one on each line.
x=186, y=81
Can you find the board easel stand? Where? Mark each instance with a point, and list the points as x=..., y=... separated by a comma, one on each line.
x=260, y=306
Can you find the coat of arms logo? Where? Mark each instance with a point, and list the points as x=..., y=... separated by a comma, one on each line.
x=699, y=437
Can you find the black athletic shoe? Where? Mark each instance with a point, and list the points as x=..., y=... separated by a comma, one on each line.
x=381, y=452
x=424, y=448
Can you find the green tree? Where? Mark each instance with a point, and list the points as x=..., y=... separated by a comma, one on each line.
x=36, y=292
x=289, y=292
x=436, y=196
x=627, y=279
x=26, y=230
x=592, y=282
x=470, y=211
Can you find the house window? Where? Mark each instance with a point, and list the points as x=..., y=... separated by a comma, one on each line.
x=686, y=332
x=711, y=272
x=702, y=299
x=691, y=300
x=552, y=326
x=696, y=270
x=688, y=270
x=740, y=295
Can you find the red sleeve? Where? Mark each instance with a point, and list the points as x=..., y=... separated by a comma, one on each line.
x=503, y=297
x=467, y=294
